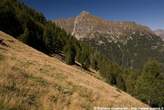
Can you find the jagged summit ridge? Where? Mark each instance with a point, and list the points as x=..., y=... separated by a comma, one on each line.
x=86, y=25
x=82, y=25
x=84, y=13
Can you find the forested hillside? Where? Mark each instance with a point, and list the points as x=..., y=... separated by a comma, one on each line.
x=32, y=28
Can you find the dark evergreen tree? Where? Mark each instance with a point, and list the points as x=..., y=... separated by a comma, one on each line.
x=70, y=53
x=9, y=23
x=130, y=77
x=24, y=37
x=84, y=56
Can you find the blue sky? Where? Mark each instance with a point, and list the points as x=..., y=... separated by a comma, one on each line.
x=147, y=12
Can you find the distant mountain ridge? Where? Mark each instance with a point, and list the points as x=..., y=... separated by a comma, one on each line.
x=92, y=24
x=126, y=43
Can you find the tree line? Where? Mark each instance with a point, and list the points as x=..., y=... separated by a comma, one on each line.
x=32, y=28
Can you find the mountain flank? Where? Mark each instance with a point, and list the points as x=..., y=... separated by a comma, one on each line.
x=31, y=80
x=126, y=43
x=160, y=32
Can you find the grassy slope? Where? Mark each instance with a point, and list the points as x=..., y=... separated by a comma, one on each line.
x=31, y=80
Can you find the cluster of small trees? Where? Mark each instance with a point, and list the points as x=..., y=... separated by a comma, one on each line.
x=146, y=84
x=150, y=84
x=32, y=28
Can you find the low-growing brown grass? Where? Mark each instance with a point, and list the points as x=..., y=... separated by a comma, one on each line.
x=31, y=80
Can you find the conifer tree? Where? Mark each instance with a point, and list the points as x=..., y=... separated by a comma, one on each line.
x=70, y=54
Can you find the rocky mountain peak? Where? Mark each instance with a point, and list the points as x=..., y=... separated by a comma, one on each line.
x=86, y=25
x=83, y=13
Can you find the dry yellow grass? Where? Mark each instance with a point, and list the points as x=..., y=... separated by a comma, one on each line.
x=31, y=80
